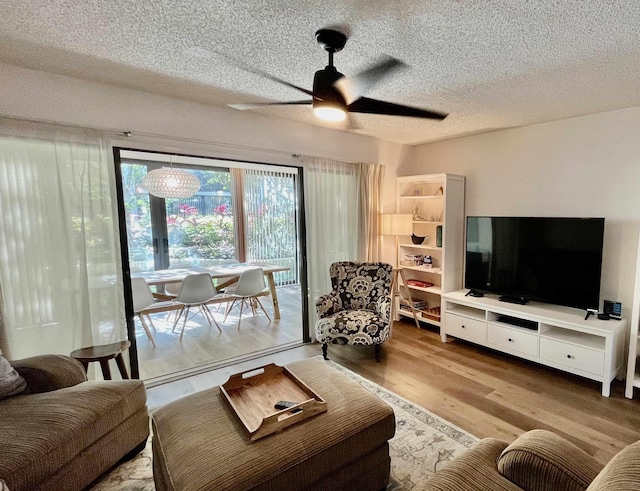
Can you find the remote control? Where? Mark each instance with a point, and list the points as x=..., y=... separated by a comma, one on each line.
x=284, y=404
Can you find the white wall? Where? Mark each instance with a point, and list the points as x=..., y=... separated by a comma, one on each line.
x=212, y=131
x=167, y=124
x=587, y=167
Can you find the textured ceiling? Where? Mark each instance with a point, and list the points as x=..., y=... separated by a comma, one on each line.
x=489, y=64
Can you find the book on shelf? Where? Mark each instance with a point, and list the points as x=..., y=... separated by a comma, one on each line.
x=419, y=283
x=417, y=304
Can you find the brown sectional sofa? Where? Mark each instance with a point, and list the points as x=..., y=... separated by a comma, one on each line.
x=66, y=431
x=536, y=461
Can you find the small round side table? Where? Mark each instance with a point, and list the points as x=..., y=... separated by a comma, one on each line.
x=103, y=353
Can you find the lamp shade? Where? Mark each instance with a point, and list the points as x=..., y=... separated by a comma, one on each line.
x=170, y=183
x=397, y=224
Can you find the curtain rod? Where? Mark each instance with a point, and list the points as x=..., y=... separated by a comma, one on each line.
x=132, y=134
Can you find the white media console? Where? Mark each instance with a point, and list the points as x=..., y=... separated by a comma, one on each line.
x=551, y=335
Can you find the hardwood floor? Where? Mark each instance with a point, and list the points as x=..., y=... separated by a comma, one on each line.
x=489, y=393
x=484, y=392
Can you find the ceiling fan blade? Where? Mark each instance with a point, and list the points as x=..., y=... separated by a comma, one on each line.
x=255, y=105
x=374, y=106
x=264, y=74
x=354, y=87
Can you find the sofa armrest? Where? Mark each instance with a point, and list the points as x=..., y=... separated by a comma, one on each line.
x=540, y=460
x=474, y=470
x=328, y=304
x=45, y=373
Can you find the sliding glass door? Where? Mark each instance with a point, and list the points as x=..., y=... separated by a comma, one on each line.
x=243, y=213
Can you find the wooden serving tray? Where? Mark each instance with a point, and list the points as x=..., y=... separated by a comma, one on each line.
x=253, y=394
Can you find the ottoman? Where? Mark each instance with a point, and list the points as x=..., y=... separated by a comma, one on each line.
x=200, y=444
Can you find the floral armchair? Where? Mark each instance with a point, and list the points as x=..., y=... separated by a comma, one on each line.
x=358, y=309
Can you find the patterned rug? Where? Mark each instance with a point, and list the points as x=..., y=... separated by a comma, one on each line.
x=423, y=441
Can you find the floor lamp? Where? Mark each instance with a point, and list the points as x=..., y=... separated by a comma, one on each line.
x=397, y=224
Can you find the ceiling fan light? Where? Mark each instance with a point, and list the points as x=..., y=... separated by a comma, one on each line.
x=170, y=183
x=330, y=113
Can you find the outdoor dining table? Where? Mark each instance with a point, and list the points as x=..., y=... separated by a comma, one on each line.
x=232, y=271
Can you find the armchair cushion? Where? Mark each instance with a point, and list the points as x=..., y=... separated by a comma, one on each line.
x=360, y=285
x=540, y=460
x=11, y=383
x=357, y=327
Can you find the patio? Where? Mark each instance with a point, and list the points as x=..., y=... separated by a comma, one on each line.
x=204, y=347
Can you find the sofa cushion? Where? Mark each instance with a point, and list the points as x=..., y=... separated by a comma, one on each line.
x=540, y=460
x=474, y=469
x=622, y=473
x=39, y=433
x=11, y=383
x=45, y=373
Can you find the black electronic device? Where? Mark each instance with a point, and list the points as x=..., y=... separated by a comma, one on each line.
x=552, y=260
x=284, y=404
x=612, y=309
x=516, y=321
x=474, y=293
x=519, y=299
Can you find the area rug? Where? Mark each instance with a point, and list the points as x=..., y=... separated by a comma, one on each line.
x=423, y=441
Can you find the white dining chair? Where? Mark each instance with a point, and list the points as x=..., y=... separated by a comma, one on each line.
x=196, y=290
x=250, y=286
x=144, y=304
x=173, y=289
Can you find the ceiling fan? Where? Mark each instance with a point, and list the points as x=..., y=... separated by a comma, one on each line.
x=334, y=96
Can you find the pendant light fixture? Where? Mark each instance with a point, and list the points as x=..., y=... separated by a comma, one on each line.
x=170, y=183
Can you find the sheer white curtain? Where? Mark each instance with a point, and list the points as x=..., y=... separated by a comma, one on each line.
x=332, y=212
x=60, y=272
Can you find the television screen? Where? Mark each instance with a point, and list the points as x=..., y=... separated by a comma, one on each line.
x=552, y=260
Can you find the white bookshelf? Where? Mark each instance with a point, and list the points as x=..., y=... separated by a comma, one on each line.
x=434, y=200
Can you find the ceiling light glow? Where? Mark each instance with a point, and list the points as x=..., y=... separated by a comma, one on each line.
x=330, y=113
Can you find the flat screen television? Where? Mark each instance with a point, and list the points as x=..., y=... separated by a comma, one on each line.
x=551, y=260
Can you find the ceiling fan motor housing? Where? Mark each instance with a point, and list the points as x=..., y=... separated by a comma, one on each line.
x=323, y=87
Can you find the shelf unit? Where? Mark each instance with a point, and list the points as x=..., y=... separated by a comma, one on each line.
x=551, y=335
x=435, y=201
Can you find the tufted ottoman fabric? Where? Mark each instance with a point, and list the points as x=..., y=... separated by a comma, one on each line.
x=200, y=444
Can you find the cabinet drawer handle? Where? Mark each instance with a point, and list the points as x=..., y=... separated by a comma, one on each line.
x=463, y=326
x=510, y=340
x=569, y=356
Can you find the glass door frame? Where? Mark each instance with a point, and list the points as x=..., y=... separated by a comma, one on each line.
x=124, y=250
